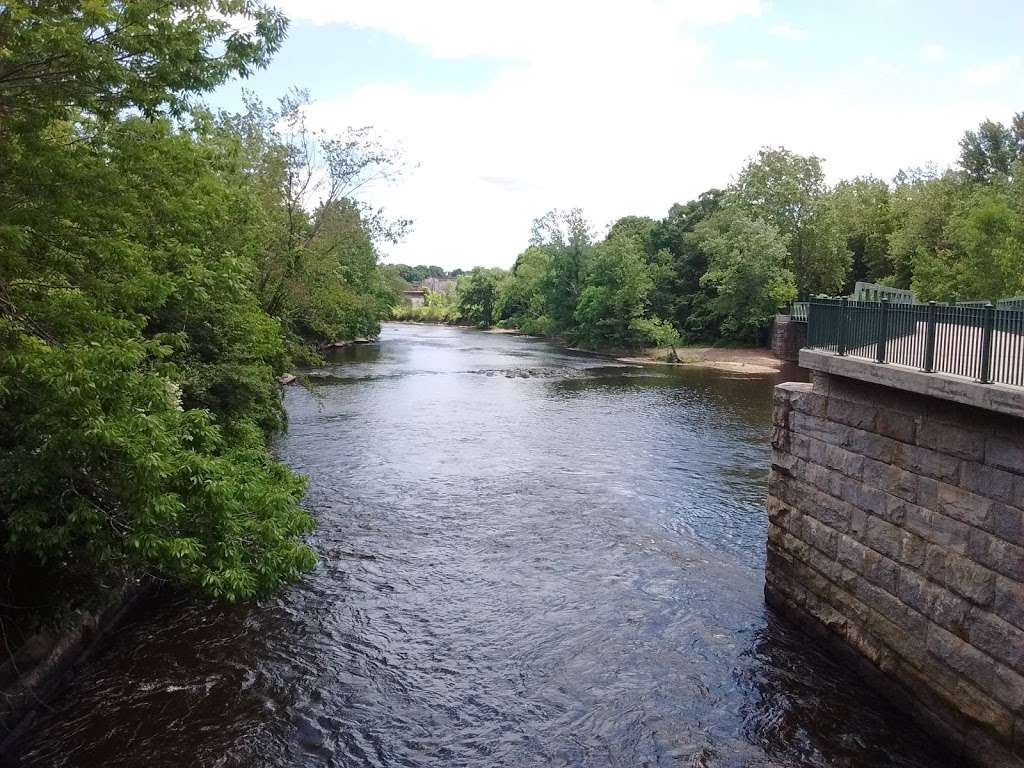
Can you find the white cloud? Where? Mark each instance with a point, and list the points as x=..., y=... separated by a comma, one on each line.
x=527, y=29
x=614, y=108
x=995, y=72
x=572, y=119
x=787, y=31
x=879, y=66
x=933, y=52
x=752, y=64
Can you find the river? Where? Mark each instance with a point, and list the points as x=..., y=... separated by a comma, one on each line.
x=529, y=557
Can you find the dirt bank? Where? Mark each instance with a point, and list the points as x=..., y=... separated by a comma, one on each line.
x=754, y=361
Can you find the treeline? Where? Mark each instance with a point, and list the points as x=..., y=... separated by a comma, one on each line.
x=160, y=267
x=419, y=273
x=719, y=267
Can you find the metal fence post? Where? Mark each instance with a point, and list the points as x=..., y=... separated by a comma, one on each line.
x=986, y=343
x=929, y=339
x=841, y=341
x=883, y=332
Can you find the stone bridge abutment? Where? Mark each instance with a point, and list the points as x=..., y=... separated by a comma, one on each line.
x=896, y=534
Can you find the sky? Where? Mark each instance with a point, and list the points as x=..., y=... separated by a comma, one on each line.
x=505, y=110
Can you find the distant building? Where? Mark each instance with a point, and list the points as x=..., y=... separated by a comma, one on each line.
x=415, y=296
x=438, y=284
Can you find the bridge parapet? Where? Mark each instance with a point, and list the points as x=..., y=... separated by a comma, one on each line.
x=896, y=533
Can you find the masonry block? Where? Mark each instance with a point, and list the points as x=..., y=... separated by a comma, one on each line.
x=1005, y=453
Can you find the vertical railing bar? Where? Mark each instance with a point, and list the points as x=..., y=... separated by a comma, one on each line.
x=942, y=331
x=1019, y=336
x=998, y=344
x=841, y=340
x=1015, y=370
x=986, y=343
x=966, y=343
x=994, y=369
x=1013, y=347
x=950, y=333
x=964, y=361
x=1020, y=348
x=970, y=361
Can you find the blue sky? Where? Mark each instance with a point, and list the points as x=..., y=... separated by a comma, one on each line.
x=510, y=109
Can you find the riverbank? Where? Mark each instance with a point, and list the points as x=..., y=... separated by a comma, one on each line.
x=754, y=361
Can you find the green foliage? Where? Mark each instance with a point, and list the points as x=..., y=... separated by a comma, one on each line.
x=655, y=331
x=991, y=151
x=639, y=228
x=475, y=295
x=137, y=374
x=922, y=203
x=419, y=273
x=567, y=239
x=864, y=216
x=157, y=265
x=438, y=307
x=519, y=302
x=318, y=270
x=747, y=270
x=133, y=480
x=677, y=265
x=789, y=191
x=615, y=293
x=104, y=56
x=956, y=238
x=984, y=253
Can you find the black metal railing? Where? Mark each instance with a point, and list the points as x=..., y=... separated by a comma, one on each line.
x=978, y=342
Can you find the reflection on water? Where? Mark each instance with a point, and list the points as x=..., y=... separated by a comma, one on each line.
x=529, y=557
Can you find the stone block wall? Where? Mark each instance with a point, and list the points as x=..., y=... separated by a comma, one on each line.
x=896, y=532
x=788, y=338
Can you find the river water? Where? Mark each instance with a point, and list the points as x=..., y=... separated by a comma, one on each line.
x=529, y=557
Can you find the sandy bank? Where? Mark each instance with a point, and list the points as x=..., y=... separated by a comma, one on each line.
x=754, y=361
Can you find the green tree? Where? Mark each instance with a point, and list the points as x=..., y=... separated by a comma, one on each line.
x=318, y=268
x=615, y=293
x=137, y=366
x=567, y=238
x=922, y=204
x=104, y=56
x=864, y=218
x=638, y=227
x=747, y=270
x=475, y=295
x=985, y=257
x=789, y=191
x=438, y=307
x=677, y=264
x=992, y=149
x=519, y=302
